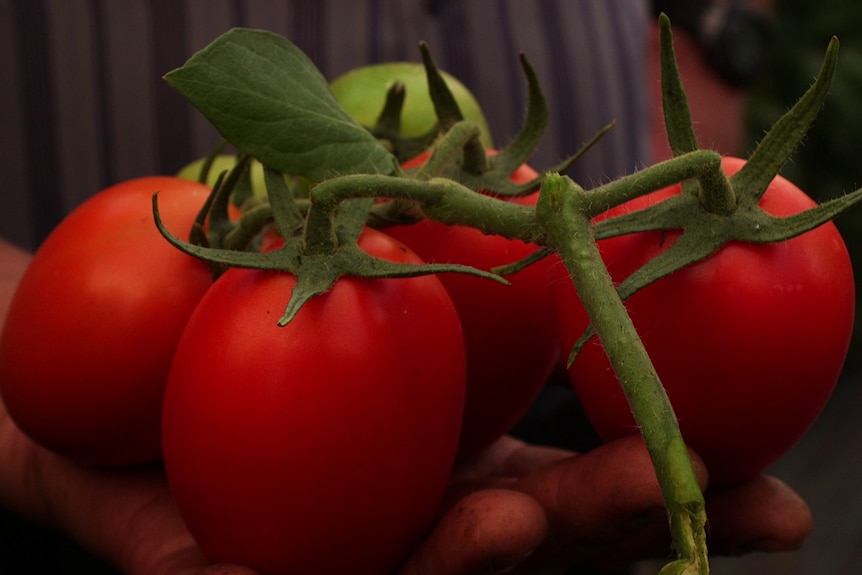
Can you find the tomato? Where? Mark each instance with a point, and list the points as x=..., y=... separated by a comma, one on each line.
x=91, y=330
x=323, y=446
x=362, y=93
x=509, y=331
x=749, y=343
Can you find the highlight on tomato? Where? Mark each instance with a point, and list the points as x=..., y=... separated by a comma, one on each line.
x=91, y=330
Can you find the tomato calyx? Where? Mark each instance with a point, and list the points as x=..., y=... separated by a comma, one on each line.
x=315, y=270
x=215, y=226
x=318, y=255
x=320, y=232
x=387, y=128
x=459, y=149
x=714, y=210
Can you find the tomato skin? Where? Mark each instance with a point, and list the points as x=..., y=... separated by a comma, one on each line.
x=509, y=331
x=362, y=94
x=323, y=446
x=92, y=327
x=748, y=343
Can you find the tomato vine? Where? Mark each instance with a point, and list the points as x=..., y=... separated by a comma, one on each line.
x=273, y=105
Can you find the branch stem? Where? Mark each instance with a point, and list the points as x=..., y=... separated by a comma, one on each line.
x=563, y=212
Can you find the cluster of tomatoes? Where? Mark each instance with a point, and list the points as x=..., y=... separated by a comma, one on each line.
x=120, y=350
x=340, y=430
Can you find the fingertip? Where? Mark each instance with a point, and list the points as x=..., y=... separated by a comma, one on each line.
x=602, y=497
x=618, y=475
x=761, y=514
x=503, y=522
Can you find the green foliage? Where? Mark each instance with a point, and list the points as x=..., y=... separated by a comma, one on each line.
x=240, y=83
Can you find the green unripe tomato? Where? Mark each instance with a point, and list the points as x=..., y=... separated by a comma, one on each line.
x=192, y=171
x=362, y=93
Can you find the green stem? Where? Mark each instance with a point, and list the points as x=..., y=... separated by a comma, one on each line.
x=455, y=142
x=701, y=164
x=248, y=227
x=442, y=200
x=450, y=202
x=716, y=194
x=563, y=213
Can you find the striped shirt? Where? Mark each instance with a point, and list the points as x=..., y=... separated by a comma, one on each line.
x=84, y=106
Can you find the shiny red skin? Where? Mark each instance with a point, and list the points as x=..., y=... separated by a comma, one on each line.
x=92, y=327
x=749, y=343
x=509, y=331
x=324, y=446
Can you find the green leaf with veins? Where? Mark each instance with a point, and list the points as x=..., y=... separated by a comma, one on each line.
x=269, y=100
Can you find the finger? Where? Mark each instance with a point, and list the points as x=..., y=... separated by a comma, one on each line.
x=500, y=465
x=486, y=532
x=507, y=457
x=126, y=517
x=528, y=458
x=599, y=501
x=762, y=514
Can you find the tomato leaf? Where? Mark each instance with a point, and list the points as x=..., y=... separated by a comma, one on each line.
x=269, y=100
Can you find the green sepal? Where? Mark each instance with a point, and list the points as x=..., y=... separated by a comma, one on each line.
x=514, y=267
x=282, y=202
x=466, y=160
x=704, y=232
x=315, y=272
x=677, y=115
x=786, y=134
x=715, y=192
x=387, y=128
x=519, y=150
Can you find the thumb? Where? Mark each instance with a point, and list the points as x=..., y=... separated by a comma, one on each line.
x=604, y=502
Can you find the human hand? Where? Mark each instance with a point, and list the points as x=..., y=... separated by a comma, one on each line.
x=522, y=509
x=517, y=505
x=128, y=518
x=125, y=517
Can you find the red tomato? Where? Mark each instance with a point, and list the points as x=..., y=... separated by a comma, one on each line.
x=509, y=331
x=324, y=446
x=749, y=343
x=92, y=327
